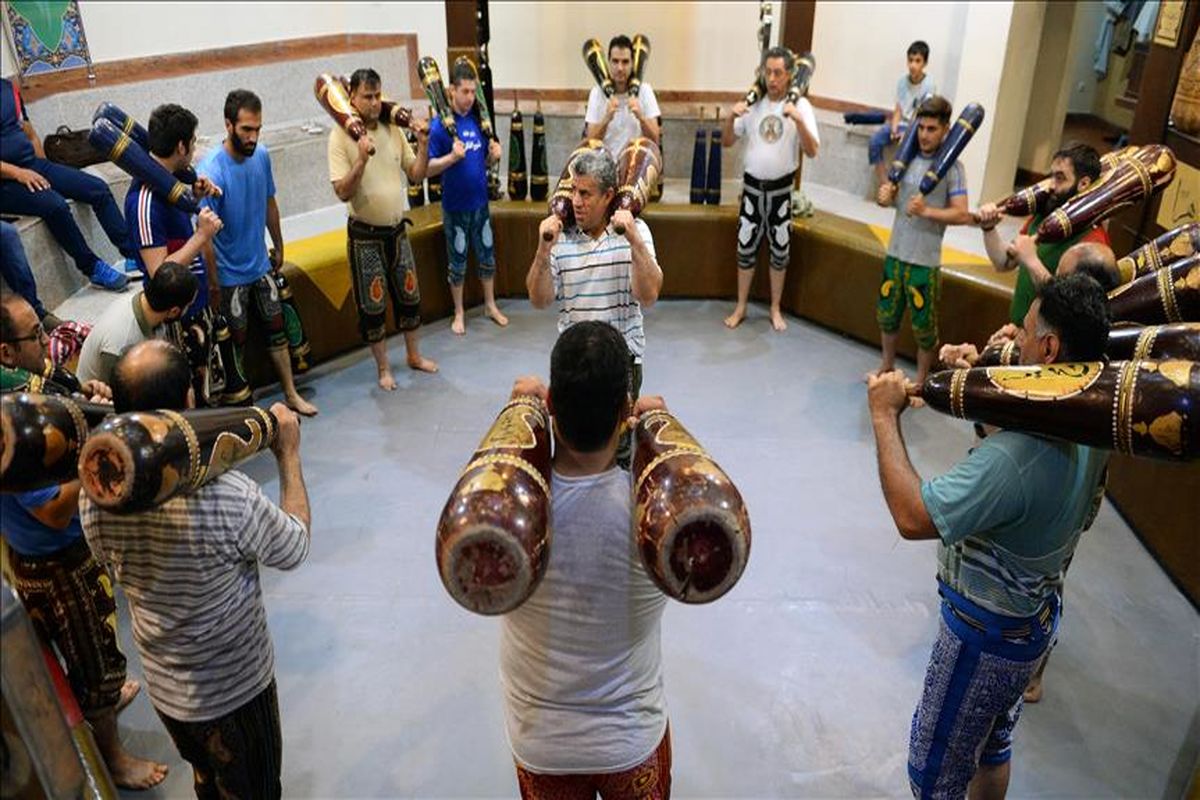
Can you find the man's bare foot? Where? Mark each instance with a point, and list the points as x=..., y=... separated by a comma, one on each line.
x=301, y=406
x=777, y=320
x=129, y=772
x=1033, y=692
x=128, y=691
x=423, y=364
x=386, y=381
x=459, y=327
x=735, y=319
x=495, y=316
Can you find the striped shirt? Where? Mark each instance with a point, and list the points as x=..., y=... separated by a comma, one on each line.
x=1010, y=515
x=190, y=571
x=593, y=281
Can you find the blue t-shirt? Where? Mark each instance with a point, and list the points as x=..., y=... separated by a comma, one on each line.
x=154, y=222
x=1009, y=516
x=28, y=535
x=464, y=185
x=241, y=245
x=15, y=147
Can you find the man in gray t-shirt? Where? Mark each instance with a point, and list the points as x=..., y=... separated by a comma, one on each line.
x=910, y=271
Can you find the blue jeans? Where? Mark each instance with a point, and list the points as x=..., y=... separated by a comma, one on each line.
x=880, y=139
x=14, y=267
x=51, y=205
x=469, y=228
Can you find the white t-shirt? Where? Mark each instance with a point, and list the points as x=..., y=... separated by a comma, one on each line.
x=909, y=94
x=772, y=141
x=624, y=125
x=581, y=659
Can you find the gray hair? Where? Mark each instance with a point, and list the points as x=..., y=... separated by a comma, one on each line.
x=599, y=165
x=789, y=58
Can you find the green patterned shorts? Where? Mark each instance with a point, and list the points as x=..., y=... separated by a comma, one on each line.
x=909, y=284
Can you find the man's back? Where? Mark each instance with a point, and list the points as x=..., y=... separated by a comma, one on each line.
x=122, y=324
x=581, y=659
x=190, y=571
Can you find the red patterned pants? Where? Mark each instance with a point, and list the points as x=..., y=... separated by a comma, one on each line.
x=649, y=780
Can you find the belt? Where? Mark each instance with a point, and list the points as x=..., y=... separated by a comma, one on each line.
x=768, y=186
x=379, y=229
x=1024, y=631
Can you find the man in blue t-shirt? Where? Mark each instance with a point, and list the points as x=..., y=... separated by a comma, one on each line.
x=247, y=206
x=1007, y=519
x=65, y=591
x=463, y=164
x=33, y=186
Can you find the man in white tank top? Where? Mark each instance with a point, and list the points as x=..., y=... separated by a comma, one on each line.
x=580, y=660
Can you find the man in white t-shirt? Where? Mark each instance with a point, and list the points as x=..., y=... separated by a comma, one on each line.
x=775, y=130
x=581, y=659
x=619, y=118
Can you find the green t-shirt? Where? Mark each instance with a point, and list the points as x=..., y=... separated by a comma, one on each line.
x=1049, y=254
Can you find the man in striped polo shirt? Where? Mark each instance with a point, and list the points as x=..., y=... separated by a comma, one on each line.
x=190, y=571
x=1007, y=519
x=594, y=273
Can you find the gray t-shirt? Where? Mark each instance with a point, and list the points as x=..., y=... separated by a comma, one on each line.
x=908, y=94
x=916, y=240
x=121, y=326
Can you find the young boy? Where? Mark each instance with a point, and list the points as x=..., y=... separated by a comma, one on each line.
x=909, y=91
x=910, y=271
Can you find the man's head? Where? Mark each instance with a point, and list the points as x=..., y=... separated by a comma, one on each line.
x=620, y=61
x=366, y=94
x=150, y=375
x=1072, y=170
x=173, y=135
x=243, y=121
x=1094, y=259
x=595, y=183
x=22, y=338
x=463, y=79
x=777, y=67
x=933, y=123
x=171, y=290
x=1068, y=321
x=918, y=58
x=589, y=385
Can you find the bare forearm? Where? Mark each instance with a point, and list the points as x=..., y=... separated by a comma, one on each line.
x=900, y=482
x=997, y=252
x=439, y=165
x=539, y=282
x=809, y=142
x=647, y=277
x=293, y=495
x=948, y=216
x=1037, y=271
x=650, y=128
x=273, y=226
x=419, y=169
x=33, y=139
x=728, y=137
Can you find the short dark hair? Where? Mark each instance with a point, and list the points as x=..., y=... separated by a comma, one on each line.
x=919, y=48
x=937, y=107
x=241, y=100
x=1076, y=308
x=169, y=125
x=8, y=325
x=463, y=70
x=778, y=51
x=172, y=285
x=589, y=383
x=1085, y=161
x=161, y=382
x=364, y=77
x=1102, y=270
x=620, y=40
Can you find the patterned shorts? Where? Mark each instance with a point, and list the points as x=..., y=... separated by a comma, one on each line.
x=972, y=697
x=649, y=780
x=382, y=265
x=263, y=295
x=766, y=211
x=469, y=229
x=909, y=284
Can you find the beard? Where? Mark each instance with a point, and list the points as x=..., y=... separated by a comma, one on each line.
x=1057, y=201
x=245, y=149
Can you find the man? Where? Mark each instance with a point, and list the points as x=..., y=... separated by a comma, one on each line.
x=33, y=186
x=68, y=596
x=190, y=571
x=1089, y=258
x=581, y=659
x=246, y=205
x=166, y=298
x=911, y=270
x=17, y=275
x=594, y=273
x=375, y=190
x=463, y=164
x=1072, y=170
x=775, y=131
x=618, y=119
x=1007, y=519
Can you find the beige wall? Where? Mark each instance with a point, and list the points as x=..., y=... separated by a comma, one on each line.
x=1051, y=88
x=120, y=30
x=694, y=46
x=1088, y=95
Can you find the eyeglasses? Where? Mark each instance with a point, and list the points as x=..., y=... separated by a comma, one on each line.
x=33, y=337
